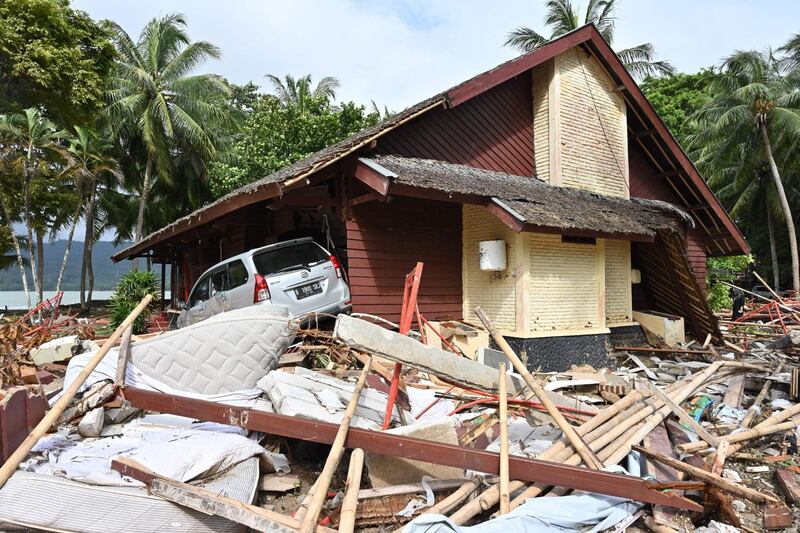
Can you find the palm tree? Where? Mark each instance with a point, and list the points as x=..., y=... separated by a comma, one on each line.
x=32, y=144
x=91, y=161
x=155, y=98
x=562, y=17
x=298, y=93
x=754, y=105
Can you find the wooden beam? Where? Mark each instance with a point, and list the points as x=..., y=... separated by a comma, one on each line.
x=667, y=174
x=508, y=216
x=407, y=447
x=366, y=198
x=373, y=175
x=207, y=502
x=644, y=133
x=483, y=82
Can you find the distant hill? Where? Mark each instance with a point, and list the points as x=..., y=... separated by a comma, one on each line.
x=106, y=273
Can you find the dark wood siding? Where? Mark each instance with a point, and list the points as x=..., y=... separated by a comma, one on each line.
x=493, y=131
x=646, y=184
x=385, y=241
x=696, y=251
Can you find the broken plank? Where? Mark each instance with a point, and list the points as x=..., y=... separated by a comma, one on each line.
x=788, y=482
x=520, y=468
x=206, y=501
x=708, y=477
x=435, y=485
x=650, y=374
x=733, y=396
x=658, y=350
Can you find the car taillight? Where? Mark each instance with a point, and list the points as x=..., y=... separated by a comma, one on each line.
x=261, y=292
x=336, y=266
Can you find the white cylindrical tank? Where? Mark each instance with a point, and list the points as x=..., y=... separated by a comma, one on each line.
x=493, y=255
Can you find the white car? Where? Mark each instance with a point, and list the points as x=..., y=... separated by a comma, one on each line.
x=299, y=274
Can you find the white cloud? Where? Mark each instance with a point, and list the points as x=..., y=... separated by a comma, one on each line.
x=400, y=52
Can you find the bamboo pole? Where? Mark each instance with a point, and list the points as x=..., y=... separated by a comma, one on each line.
x=347, y=517
x=614, y=442
x=685, y=449
x=580, y=447
x=751, y=412
x=708, y=477
x=52, y=415
x=505, y=495
x=451, y=501
x=320, y=488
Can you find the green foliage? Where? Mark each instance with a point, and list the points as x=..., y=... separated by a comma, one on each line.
x=275, y=135
x=54, y=57
x=128, y=293
x=562, y=17
x=724, y=269
x=676, y=98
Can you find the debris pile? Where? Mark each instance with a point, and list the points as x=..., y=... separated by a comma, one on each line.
x=248, y=419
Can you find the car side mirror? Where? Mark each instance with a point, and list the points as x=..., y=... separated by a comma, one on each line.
x=183, y=306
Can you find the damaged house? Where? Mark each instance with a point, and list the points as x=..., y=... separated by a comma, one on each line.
x=547, y=191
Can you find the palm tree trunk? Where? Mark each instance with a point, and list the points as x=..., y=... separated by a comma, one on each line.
x=773, y=250
x=787, y=212
x=90, y=273
x=88, y=236
x=27, y=218
x=142, y=203
x=18, y=250
x=40, y=262
x=68, y=248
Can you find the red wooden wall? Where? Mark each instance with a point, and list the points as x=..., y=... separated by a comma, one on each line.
x=493, y=131
x=385, y=241
x=645, y=184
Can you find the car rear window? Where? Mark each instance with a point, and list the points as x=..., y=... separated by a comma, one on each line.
x=289, y=258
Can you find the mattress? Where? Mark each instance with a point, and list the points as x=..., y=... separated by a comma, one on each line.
x=223, y=355
x=31, y=501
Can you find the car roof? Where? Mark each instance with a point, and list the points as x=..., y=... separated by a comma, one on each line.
x=253, y=251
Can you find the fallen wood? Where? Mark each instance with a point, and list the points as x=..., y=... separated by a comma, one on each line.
x=719, y=457
x=789, y=484
x=334, y=456
x=124, y=356
x=408, y=447
x=685, y=449
x=347, y=516
x=658, y=350
x=435, y=485
x=755, y=408
x=206, y=501
x=53, y=414
x=505, y=495
x=708, y=477
x=650, y=374
x=586, y=454
x=733, y=396
x=685, y=417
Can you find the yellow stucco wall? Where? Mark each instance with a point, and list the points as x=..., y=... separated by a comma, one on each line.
x=593, y=134
x=618, y=282
x=541, y=141
x=494, y=292
x=564, y=284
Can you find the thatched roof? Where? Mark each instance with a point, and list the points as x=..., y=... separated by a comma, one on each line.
x=537, y=203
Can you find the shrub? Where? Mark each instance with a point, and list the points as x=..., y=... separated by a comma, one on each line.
x=130, y=290
x=724, y=269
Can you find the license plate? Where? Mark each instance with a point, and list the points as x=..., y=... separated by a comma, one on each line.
x=308, y=290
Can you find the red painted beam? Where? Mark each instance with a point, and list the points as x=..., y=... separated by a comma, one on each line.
x=408, y=447
x=373, y=177
x=483, y=82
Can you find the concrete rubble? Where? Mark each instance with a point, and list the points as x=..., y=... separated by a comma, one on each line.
x=702, y=435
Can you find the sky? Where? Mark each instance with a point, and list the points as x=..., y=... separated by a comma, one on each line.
x=399, y=52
